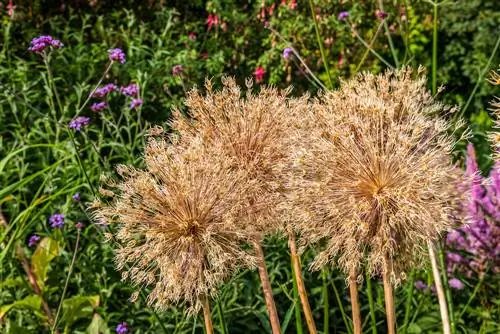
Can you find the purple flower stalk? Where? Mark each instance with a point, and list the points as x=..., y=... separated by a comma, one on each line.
x=117, y=55
x=79, y=122
x=177, y=70
x=76, y=197
x=343, y=16
x=104, y=90
x=287, y=52
x=135, y=103
x=39, y=44
x=56, y=220
x=33, y=240
x=98, y=106
x=122, y=328
x=130, y=90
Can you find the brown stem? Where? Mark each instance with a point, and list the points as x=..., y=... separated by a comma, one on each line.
x=353, y=290
x=389, y=297
x=439, y=289
x=297, y=270
x=266, y=287
x=209, y=328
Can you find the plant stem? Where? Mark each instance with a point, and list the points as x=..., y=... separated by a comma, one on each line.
x=369, y=293
x=409, y=297
x=341, y=307
x=363, y=58
x=476, y=289
x=439, y=289
x=320, y=44
x=80, y=162
x=222, y=321
x=67, y=279
x=296, y=301
x=326, y=307
x=446, y=288
x=300, y=284
x=266, y=287
x=389, y=296
x=209, y=329
x=434, y=49
x=389, y=38
x=353, y=291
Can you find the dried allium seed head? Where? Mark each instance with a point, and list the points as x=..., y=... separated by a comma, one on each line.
x=374, y=176
x=177, y=224
x=249, y=130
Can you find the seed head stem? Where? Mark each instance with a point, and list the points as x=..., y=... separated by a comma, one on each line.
x=209, y=328
x=389, y=297
x=353, y=290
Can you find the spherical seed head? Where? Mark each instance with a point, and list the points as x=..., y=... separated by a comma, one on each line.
x=250, y=130
x=176, y=224
x=374, y=176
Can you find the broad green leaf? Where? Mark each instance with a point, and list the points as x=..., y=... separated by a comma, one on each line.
x=45, y=252
x=32, y=303
x=98, y=325
x=12, y=283
x=78, y=307
x=413, y=328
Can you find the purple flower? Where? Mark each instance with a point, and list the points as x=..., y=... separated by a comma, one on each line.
x=104, y=90
x=98, y=106
x=33, y=240
x=455, y=283
x=122, y=328
x=79, y=122
x=79, y=225
x=130, y=90
x=454, y=257
x=40, y=43
x=135, y=103
x=177, y=70
x=343, y=16
x=420, y=285
x=56, y=220
x=76, y=197
x=287, y=52
x=116, y=55
x=380, y=14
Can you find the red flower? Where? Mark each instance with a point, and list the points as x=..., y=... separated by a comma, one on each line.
x=259, y=74
x=212, y=20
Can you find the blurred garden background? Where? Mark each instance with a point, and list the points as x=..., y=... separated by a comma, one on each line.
x=47, y=169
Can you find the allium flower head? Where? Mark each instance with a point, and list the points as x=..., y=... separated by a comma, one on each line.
x=117, y=55
x=250, y=130
x=177, y=222
x=56, y=220
x=79, y=122
x=373, y=175
x=33, y=240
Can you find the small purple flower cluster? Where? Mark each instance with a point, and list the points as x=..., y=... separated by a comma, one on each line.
x=33, y=240
x=39, y=44
x=475, y=246
x=104, y=90
x=343, y=16
x=98, y=106
x=56, y=220
x=287, y=52
x=130, y=90
x=117, y=54
x=135, y=103
x=79, y=122
x=177, y=70
x=122, y=328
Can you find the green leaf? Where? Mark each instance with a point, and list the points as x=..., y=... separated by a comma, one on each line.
x=78, y=307
x=98, y=325
x=32, y=303
x=45, y=252
x=12, y=283
x=413, y=328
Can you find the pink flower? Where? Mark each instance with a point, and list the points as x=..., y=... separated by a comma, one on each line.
x=177, y=70
x=192, y=36
x=212, y=20
x=10, y=8
x=259, y=74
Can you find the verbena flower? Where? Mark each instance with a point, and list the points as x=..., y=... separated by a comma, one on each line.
x=39, y=44
x=79, y=122
x=117, y=55
x=287, y=52
x=104, y=91
x=135, y=103
x=122, y=328
x=79, y=225
x=177, y=223
x=455, y=283
x=420, y=285
x=56, y=220
x=130, y=90
x=371, y=174
x=177, y=70
x=343, y=16
x=33, y=240
x=259, y=74
x=380, y=14
x=76, y=197
x=98, y=106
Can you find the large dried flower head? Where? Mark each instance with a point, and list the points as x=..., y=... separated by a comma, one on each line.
x=374, y=176
x=250, y=130
x=177, y=224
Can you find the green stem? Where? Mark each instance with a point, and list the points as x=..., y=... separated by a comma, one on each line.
x=375, y=53
x=369, y=47
x=434, y=49
x=320, y=44
x=389, y=38
x=296, y=301
x=80, y=162
x=476, y=289
x=409, y=299
x=326, y=307
x=222, y=321
x=67, y=280
x=446, y=288
x=341, y=307
x=369, y=293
